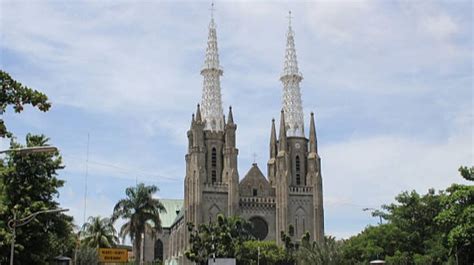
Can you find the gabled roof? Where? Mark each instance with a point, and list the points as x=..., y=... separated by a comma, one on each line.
x=171, y=206
x=255, y=184
x=254, y=174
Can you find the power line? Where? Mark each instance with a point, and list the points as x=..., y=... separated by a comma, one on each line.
x=136, y=172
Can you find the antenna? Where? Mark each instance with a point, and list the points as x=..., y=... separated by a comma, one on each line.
x=85, y=178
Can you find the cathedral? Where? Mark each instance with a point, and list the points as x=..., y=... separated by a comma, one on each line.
x=289, y=194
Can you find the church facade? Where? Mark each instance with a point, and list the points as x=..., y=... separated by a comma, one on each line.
x=289, y=194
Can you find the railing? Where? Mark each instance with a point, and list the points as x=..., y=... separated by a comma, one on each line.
x=306, y=189
x=216, y=186
x=257, y=199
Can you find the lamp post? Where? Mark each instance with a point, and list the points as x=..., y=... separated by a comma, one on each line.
x=258, y=255
x=14, y=223
x=373, y=210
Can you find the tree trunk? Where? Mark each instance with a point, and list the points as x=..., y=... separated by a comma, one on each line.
x=136, y=248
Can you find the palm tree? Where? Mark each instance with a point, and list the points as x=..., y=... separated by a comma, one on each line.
x=98, y=233
x=141, y=212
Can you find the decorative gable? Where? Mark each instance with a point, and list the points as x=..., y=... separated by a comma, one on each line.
x=254, y=184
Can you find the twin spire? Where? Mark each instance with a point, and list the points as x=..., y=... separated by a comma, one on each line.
x=291, y=78
x=211, y=103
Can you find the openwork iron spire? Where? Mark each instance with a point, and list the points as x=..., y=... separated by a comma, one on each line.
x=211, y=105
x=291, y=78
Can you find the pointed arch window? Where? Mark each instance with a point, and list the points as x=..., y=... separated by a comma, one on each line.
x=158, y=250
x=214, y=165
x=298, y=170
x=296, y=226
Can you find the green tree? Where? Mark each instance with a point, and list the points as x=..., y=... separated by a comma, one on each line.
x=30, y=183
x=263, y=253
x=87, y=256
x=414, y=214
x=467, y=173
x=410, y=234
x=313, y=253
x=224, y=238
x=457, y=219
x=14, y=94
x=141, y=212
x=289, y=246
x=98, y=233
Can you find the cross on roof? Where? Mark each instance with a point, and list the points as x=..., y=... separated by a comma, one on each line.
x=254, y=155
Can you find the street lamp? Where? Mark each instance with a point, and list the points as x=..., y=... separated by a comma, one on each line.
x=14, y=223
x=31, y=150
x=373, y=210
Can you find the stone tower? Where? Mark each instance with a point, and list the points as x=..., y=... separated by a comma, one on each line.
x=212, y=178
x=294, y=165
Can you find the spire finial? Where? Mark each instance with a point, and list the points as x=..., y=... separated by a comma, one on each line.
x=289, y=18
x=212, y=9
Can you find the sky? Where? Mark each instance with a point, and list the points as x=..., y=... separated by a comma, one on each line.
x=390, y=83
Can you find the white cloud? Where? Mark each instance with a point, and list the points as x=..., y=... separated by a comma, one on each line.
x=369, y=172
x=140, y=62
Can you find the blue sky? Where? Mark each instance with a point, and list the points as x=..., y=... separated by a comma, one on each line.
x=390, y=83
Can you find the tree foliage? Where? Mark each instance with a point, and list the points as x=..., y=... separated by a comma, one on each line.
x=30, y=183
x=435, y=228
x=467, y=173
x=263, y=253
x=224, y=238
x=87, y=256
x=14, y=94
x=328, y=252
x=456, y=219
x=141, y=212
x=98, y=232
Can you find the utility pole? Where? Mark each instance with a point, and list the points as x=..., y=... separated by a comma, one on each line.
x=141, y=248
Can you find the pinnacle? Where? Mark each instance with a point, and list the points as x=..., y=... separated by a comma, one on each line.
x=282, y=138
x=313, y=141
x=198, y=114
x=230, y=118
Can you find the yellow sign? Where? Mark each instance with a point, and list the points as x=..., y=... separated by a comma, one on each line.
x=113, y=255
